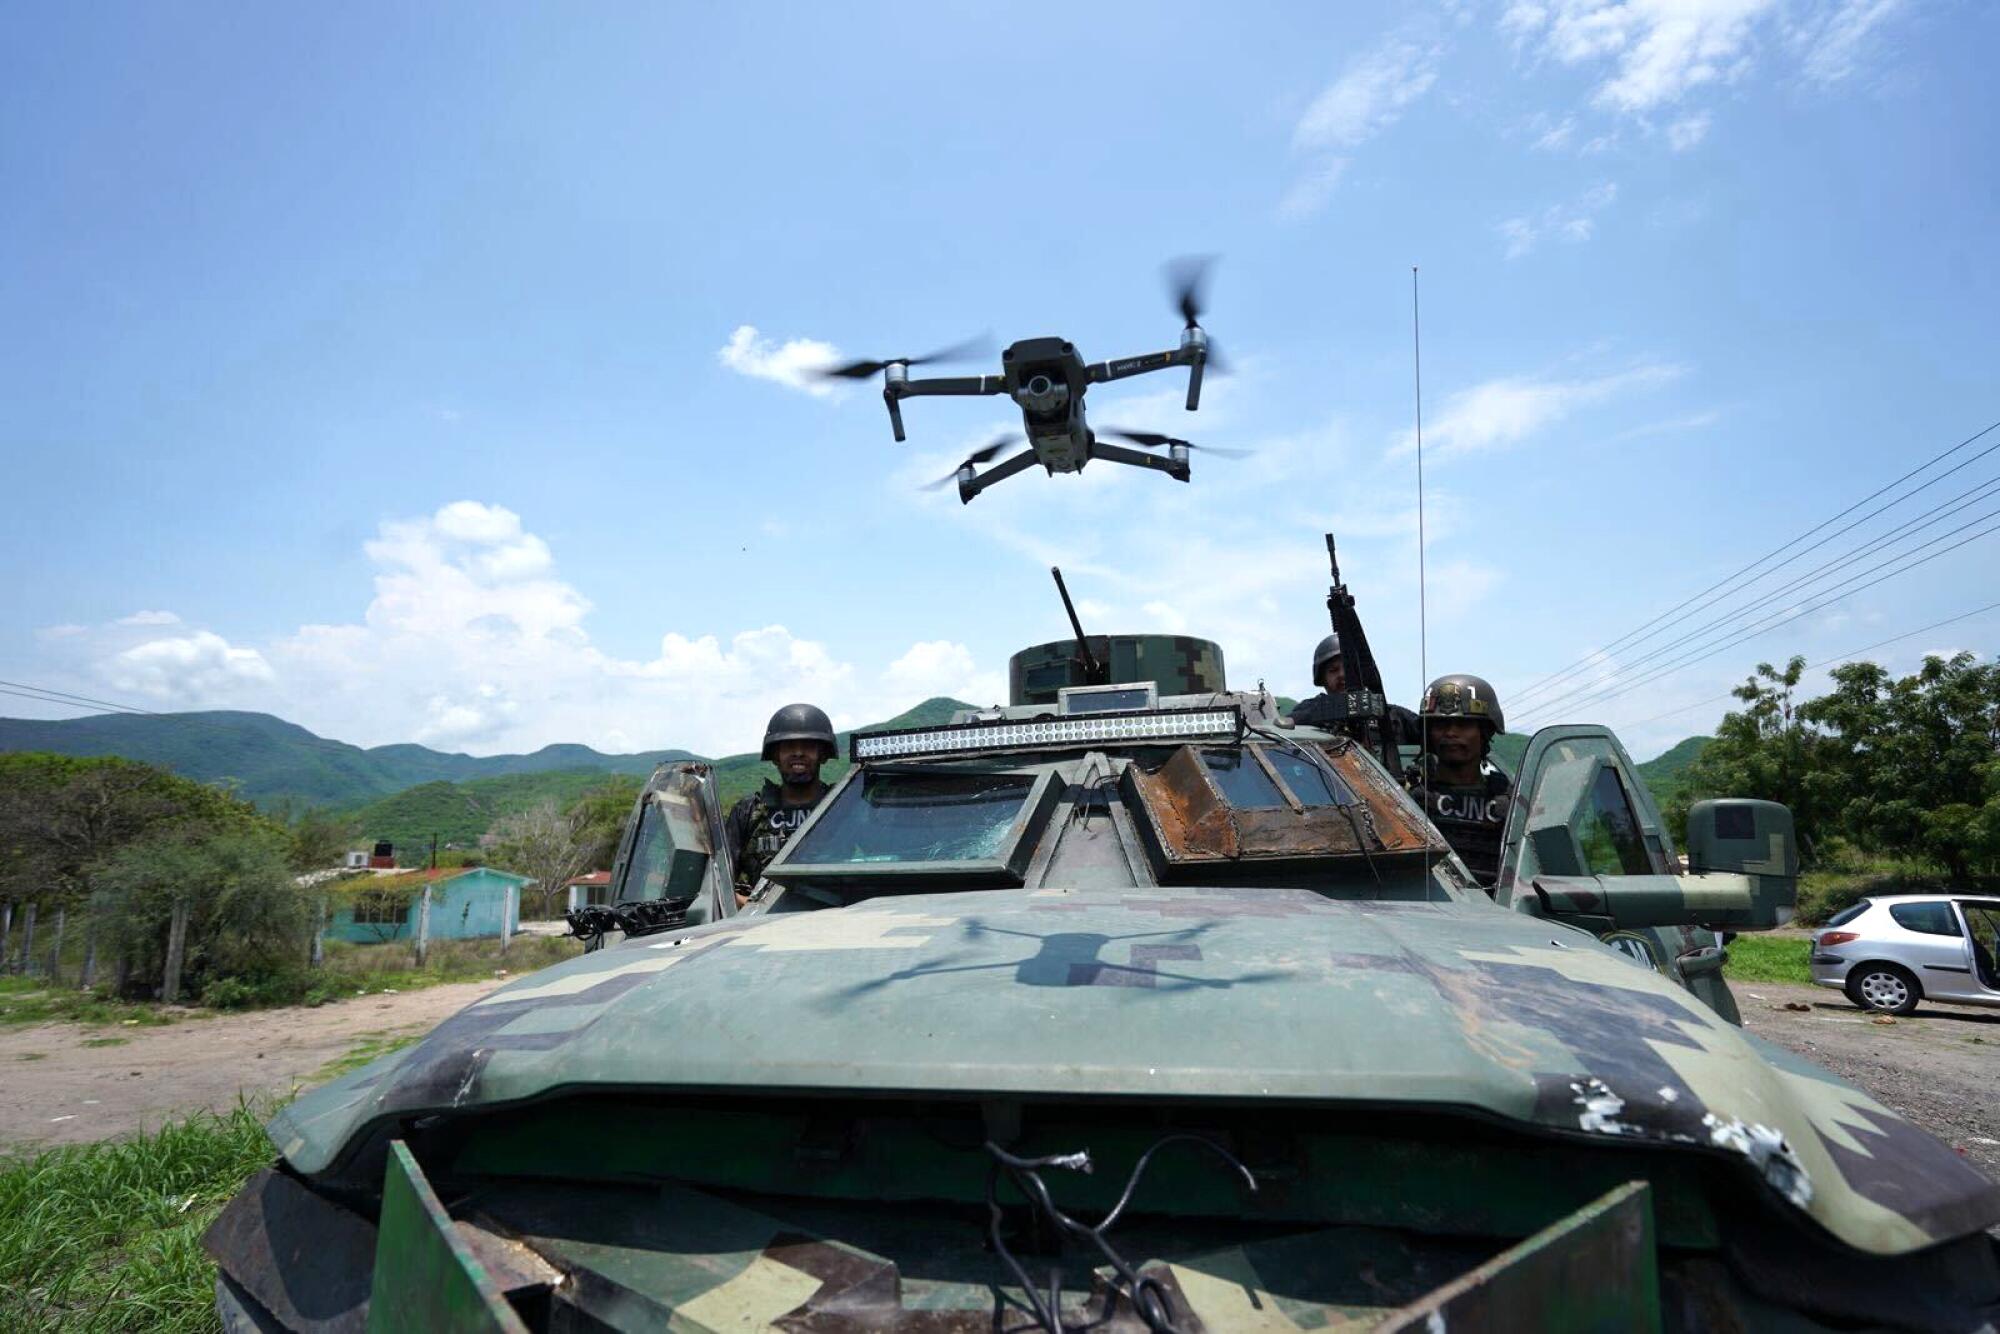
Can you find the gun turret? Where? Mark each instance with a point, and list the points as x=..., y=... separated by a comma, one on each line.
x=1095, y=673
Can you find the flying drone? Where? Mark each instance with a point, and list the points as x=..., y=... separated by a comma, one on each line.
x=1047, y=379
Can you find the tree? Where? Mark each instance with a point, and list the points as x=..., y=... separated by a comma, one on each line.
x=1905, y=767
x=1762, y=750
x=246, y=915
x=604, y=810
x=546, y=843
x=1912, y=761
x=321, y=838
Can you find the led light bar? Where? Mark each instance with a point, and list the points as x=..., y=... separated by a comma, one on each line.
x=1157, y=725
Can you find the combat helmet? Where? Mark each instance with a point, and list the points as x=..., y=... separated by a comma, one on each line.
x=1328, y=650
x=799, y=722
x=1462, y=695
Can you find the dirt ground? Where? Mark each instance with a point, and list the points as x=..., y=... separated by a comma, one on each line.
x=70, y=1083
x=1939, y=1067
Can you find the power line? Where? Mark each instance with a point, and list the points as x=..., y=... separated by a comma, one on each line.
x=1639, y=635
x=1768, y=626
x=1836, y=658
x=55, y=696
x=1929, y=518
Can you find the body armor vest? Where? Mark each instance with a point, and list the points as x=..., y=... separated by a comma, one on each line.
x=1471, y=818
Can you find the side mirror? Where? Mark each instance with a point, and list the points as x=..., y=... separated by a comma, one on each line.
x=1717, y=901
x=1743, y=837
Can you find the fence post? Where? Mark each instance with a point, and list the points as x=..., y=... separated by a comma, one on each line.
x=89, y=975
x=28, y=940
x=506, y=917
x=318, y=957
x=6, y=931
x=177, y=929
x=55, y=954
x=424, y=928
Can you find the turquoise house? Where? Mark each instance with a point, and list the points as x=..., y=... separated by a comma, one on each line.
x=467, y=903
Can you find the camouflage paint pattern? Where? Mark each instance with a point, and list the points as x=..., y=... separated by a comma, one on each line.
x=1050, y=991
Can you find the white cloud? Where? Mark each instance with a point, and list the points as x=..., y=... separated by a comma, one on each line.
x=149, y=618
x=1572, y=223
x=470, y=521
x=189, y=669
x=471, y=640
x=791, y=363
x=1658, y=49
x=941, y=667
x=1557, y=136
x=1310, y=192
x=1830, y=42
x=1655, y=54
x=1688, y=131
x=1370, y=95
x=1507, y=410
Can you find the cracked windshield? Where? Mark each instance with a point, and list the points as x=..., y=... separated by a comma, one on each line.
x=916, y=818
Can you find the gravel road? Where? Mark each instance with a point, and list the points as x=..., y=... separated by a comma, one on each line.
x=70, y=1083
x=1939, y=1067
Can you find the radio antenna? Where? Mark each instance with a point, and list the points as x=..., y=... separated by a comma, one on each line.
x=1423, y=590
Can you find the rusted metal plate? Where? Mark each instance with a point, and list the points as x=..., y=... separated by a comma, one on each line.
x=1595, y=1270
x=1188, y=816
x=426, y=1276
x=1193, y=824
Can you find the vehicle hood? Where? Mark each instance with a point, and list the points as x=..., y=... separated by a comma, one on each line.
x=1179, y=994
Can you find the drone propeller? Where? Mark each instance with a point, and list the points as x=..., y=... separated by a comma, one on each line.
x=861, y=370
x=1186, y=278
x=1187, y=283
x=975, y=458
x=1154, y=440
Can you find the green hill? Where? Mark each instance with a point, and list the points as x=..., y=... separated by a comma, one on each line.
x=1665, y=772
x=268, y=759
x=1662, y=773
x=458, y=813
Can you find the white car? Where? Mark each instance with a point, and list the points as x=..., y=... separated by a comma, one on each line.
x=1889, y=953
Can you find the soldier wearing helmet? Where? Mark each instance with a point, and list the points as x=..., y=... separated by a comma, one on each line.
x=1465, y=797
x=798, y=740
x=1329, y=708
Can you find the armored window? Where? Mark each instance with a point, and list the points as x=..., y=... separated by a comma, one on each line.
x=1241, y=780
x=1313, y=784
x=1609, y=830
x=652, y=851
x=918, y=820
x=1930, y=919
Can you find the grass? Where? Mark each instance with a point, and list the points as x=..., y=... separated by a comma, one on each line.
x=352, y=967
x=1755, y=958
x=107, y=1236
x=350, y=970
x=368, y=1046
x=27, y=1000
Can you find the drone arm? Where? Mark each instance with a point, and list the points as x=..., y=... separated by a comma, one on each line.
x=965, y=385
x=1176, y=468
x=897, y=386
x=1100, y=372
x=999, y=472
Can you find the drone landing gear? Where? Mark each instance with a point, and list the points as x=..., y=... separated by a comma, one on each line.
x=971, y=484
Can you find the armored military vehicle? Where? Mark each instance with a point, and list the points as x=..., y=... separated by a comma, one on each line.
x=1128, y=1005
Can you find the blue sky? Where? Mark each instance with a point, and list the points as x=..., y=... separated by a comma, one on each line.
x=437, y=374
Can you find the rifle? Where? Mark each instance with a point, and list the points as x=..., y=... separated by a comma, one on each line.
x=1364, y=706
